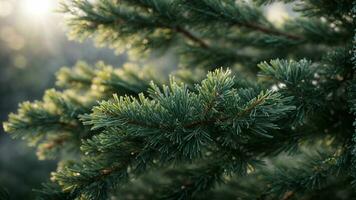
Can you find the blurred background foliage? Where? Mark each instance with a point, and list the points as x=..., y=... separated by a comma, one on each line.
x=33, y=46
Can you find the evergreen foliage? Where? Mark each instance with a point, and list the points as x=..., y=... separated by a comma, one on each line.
x=273, y=118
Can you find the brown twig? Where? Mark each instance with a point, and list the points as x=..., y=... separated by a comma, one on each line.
x=270, y=31
x=288, y=195
x=55, y=142
x=192, y=37
x=256, y=27
x=240, y=114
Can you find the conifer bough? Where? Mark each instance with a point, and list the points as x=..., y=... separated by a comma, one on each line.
x=275, y=122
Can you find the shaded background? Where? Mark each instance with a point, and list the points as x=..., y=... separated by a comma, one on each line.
x=33, y=46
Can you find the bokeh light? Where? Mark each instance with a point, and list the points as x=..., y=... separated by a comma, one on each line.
x=20, y=61
x=6, y=8
x=12, y=38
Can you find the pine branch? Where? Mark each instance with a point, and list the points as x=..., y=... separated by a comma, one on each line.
x=122, y=115
x=54, y=123
x=235, y=14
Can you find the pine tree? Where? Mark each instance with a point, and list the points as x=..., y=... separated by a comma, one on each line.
x=273, y=118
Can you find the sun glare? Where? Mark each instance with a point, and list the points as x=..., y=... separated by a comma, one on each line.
x=37, y=8
x=277, y=14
